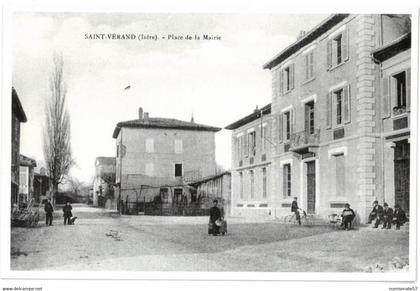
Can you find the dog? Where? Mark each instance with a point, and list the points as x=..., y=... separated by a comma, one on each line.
x=72, y=220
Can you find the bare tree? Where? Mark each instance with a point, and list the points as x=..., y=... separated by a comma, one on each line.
x=57, y=149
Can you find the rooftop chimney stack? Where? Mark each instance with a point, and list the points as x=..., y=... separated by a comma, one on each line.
x=302, y=33
x=140, y=112
x=146, y=116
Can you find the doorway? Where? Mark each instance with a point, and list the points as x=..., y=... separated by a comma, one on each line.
x=402, y=174
x=311, y=187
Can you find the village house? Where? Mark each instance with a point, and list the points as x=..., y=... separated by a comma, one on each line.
x=103, y=184
x=42, y=184
x=18, y=116
x=336, y=126
x=157, y=157
x=26, y=180
x=251, y=163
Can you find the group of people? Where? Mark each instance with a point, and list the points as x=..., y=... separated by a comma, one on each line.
x=387, y=216
x=49, y=209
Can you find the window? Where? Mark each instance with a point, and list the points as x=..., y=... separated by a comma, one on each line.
x=178, y=170
x=338, y=95
x=178, y=146
x=400, y=89
x=340, y=187
x=338, y=107
x=149, y=145
x=241, y=185
x=149, y=169
x=118, y=150
x=309, y=65
x=310, y=117
x=251, y=143
x=251, y=175
x=240, y=146
x=287, y=124
x=287, y=79
x=287, y=181
x=264, y=182
x=337, y=49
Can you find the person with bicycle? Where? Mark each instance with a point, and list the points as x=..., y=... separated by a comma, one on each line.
x=295, y=209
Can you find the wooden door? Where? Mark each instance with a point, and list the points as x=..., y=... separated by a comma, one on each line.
x=402, y=174
x=311, y=186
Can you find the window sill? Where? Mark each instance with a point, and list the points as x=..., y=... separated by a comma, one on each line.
x=308, y=81
x=287, y=92
x=336, y=66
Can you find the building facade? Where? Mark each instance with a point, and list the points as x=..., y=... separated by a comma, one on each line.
x=18, y=116
x=103, y=184
x=251, y=163
x=26, y=180
x=157, y=155
x=330, y=131
x=42, y=185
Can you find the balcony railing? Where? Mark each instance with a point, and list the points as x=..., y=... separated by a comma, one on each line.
x=304, y=138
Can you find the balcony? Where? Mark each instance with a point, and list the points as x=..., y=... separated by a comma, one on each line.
x=303, y=142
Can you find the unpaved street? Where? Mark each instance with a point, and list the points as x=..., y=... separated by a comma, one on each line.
x=102, y=240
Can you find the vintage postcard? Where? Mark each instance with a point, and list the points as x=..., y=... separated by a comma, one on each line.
x=209, y=145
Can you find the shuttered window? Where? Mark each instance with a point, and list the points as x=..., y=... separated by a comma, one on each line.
x=264, y=182
x=338, y=49
x=339, y=106
x=287, y=181
x=287, y=79
x=280, y=127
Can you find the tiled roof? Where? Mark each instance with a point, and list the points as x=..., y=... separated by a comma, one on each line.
x=251, y=117
x=168, y=123
x=309, y=37
x=25, y=161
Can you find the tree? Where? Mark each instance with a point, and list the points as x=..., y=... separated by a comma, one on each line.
x=57, y=148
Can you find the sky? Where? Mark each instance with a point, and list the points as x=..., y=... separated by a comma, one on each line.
x=218, y=81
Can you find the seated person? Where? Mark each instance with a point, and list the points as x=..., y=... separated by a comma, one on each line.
x=399, y=217
x=375, y=214
x=348, y=216
x=387, y=216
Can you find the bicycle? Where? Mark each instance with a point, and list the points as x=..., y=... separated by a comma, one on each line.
x=291, y=218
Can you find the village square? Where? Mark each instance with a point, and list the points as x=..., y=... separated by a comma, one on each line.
x=317, y=178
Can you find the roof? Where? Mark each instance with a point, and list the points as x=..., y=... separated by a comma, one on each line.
x=209, y=178
x=17, y=107
x=110, y=161
x=166, y=123
x=393, y=48
x=251, y=117
x=309, y=37
x=25, y=161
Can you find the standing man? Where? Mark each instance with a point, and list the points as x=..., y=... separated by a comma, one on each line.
x=48, y=212
x=375, y=214
x=348, y=216
x=295, y=209
x=387, y=216
x=67, y=213
x=215, y=214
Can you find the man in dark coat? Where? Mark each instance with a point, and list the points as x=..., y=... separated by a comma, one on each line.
x=376, y=214
x=67, y=213
x=295, y=209
x=48, y=212
x=399, y=217
x=347, y=216
x=387, y=216
x=215, y=214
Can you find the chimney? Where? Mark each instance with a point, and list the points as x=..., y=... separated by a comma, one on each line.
x=140, y=113
x=146, y=116
x=302, y=33
x=256, y=109
x=192, y=117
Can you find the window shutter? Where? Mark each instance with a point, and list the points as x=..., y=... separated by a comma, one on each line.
x=306, y=66
x=281, y=82
x=275, y=81
x=345, y=45
x=285, y=177
x=292, y=120
x=408, y=88
x=306, y=118
x=386, y=106
x=347, y=104
x=329, y=54
x=292, y=76
x=311, y=64
x=280, y=125
x=329, y=111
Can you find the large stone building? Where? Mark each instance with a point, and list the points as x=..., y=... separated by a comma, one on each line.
x=18, y=116
x=26, y=180
x=103, y=183
x=159, y=156
x=339, y=117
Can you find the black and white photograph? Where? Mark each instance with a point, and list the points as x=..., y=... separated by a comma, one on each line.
x=209, y=145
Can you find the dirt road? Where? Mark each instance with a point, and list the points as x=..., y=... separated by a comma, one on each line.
x=102, y=240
